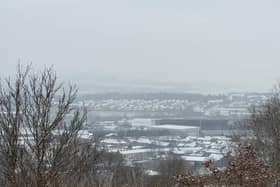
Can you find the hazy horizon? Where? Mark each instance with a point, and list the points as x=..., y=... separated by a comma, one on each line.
x=232, y=45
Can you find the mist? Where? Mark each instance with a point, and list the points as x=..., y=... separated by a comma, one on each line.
x=232, y=45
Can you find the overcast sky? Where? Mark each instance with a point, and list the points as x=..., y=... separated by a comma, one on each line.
x=226, y=42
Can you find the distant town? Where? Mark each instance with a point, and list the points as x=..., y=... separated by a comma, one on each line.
x=146, y=128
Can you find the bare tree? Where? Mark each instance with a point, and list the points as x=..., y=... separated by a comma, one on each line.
x=168, y=168
x=40, y=131
x=245, y=169
x=265, y=123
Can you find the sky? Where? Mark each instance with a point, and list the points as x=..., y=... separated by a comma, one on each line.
x=234, y=44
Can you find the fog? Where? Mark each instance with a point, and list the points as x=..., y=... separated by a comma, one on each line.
x=229, y=44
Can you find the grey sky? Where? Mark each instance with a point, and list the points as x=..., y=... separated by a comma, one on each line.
x=228, y=42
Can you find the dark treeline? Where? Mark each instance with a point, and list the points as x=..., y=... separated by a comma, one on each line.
x=150, y=96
